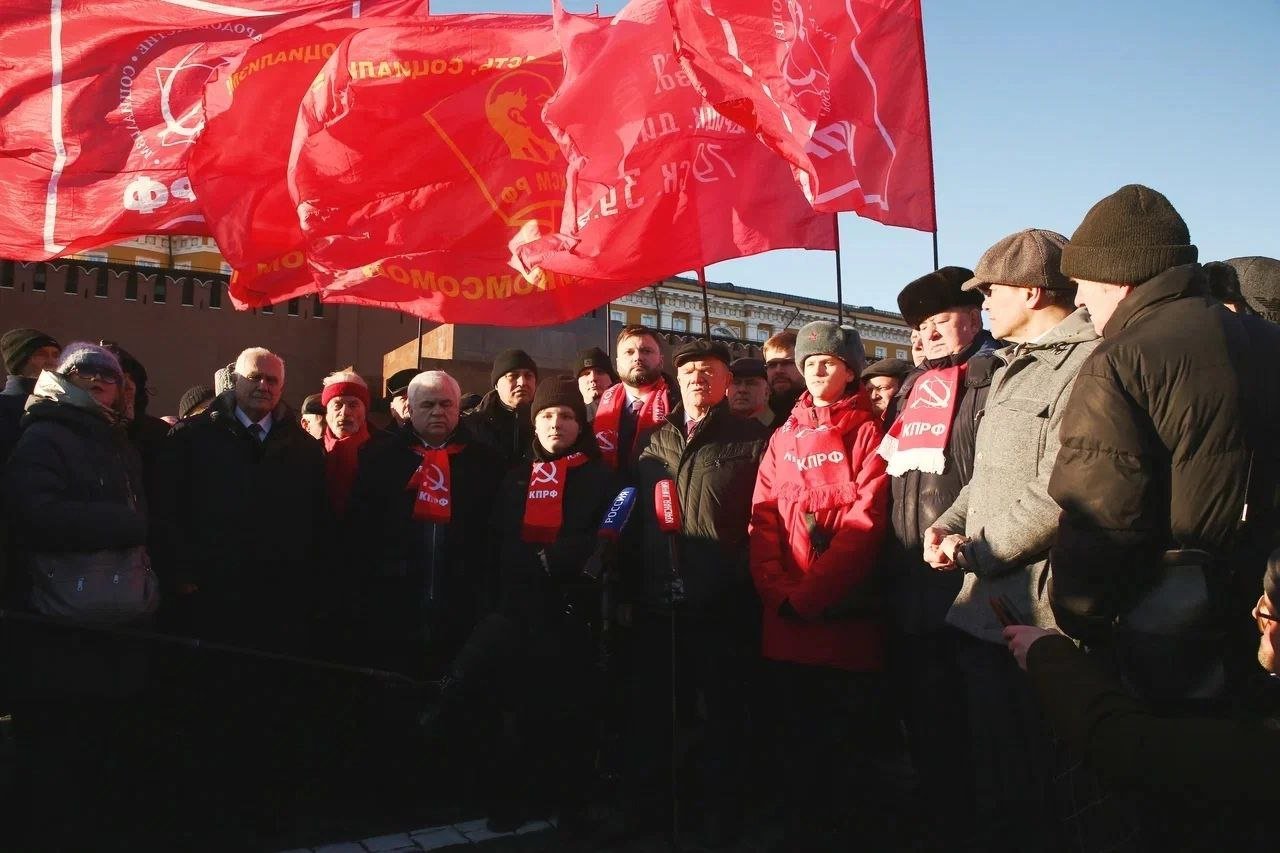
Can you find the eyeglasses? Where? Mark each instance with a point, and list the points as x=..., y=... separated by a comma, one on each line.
x=101, y=378
x=1263, y=617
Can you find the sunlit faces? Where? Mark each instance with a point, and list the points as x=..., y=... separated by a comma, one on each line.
x=435, y=414
x=827, y=378
x=516, y=387
x=1010, y=309
x=345, y=415
x=703, y=383
x=1101, y=299
x=44, y=358
x=103, y=387
x=639, y=361
x=259, y=387
x=784, y=376
x=593, y=382
x=557, y=428
x=948, y=332
x=882, y=390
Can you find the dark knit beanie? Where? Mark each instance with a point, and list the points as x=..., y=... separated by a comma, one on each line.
x=1129, y=237
x=18, y=345
x=892, y=367
x=509, y=360
x=84, y=357
x=938, y=291
x=824, y=338
x=594, y=358
x=192, y=398
x=1260, y=284
x=1271, y=580
x=559, y=391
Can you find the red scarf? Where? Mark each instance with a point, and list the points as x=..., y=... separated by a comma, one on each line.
x=341, y=459
x=433, y=483
x=609, y=417
x=544, y=506
x=814, y=440
x=918, y=439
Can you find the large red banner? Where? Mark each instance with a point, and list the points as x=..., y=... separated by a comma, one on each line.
x=100, y=101
x=420, y=154
x=837, y=87
x=239, y=163
x=658, y=182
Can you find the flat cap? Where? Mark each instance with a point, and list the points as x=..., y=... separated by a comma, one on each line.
x=748, y=368
x=1028, y=258
x=700, y=349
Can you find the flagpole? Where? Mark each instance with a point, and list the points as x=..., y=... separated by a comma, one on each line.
x=706, y=304
x=835, y=225
x=417, y=365
x=608, y=309
x=928, y=127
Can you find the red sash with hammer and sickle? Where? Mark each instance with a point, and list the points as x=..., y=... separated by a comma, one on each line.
x=918, y=439
x=544, y=506
x=608, y=418
x=433, y=484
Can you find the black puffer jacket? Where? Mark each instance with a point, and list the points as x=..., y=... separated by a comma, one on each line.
x=715, y=477
x=12, y=402
x=509, y=432
x=425, y=583
x=921, y=596
x=245, y=520
x=1156, y=443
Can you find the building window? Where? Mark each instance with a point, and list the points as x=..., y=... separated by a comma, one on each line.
x=38, y=280
x=902, y=354
x=131, y=287
x=618, y=317
x=72, y=283
x=293, y=307
x=650, y=320
x=881, y=352
x=224, y=268
x=317, y=308
x=159, y=291
x=100, y=286
x=215, y=294
x=268, y=308
x=679, y=324
x=763, y=333
x=6, y=275
x=188, y=292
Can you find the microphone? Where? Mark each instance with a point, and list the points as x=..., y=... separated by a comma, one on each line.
x=611, y=526
x=666, y=506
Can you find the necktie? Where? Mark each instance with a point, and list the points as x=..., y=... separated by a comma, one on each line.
x=257, y=431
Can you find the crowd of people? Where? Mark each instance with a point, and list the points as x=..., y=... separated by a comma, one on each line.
x=824, y=559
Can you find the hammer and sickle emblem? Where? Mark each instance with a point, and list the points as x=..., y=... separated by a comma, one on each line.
x=934, y=394
x=433, y=478
x=543, y=474
x=604, y=438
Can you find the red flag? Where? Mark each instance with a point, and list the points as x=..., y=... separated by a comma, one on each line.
x=239, y=164
x=99, y=103
x=421, y=155
x=659, y=182
x=837, y=87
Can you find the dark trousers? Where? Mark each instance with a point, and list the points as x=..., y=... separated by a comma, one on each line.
x=1013, y=752
x=931, y=700
x=829, y=720
x=715, y=656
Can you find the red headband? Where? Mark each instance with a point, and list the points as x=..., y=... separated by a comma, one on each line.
x=345, y=389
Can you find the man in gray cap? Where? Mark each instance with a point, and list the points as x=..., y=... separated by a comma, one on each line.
x=749, y=393
x=997, y=533
x=883, y=379
x=695, y=578
x=1168, y=465
x=26, y=352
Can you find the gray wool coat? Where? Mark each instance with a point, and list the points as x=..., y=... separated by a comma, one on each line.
x=1005, y=510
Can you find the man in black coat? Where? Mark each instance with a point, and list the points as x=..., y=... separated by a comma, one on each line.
x=418, y=526
x=712, y=458
x=240, y=503
x=1169, y=464
x=953, y=380
x=502, y=418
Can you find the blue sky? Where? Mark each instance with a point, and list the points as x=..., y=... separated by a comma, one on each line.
x=1042, y=108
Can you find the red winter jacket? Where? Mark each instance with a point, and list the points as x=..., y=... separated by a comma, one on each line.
x=785, y=566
